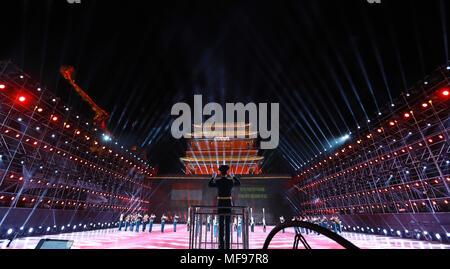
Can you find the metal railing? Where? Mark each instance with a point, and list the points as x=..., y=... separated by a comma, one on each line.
x=204, y=227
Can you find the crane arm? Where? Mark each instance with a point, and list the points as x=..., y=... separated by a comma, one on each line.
x=100, y=115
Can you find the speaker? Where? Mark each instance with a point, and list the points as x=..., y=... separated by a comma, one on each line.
x=54, y=244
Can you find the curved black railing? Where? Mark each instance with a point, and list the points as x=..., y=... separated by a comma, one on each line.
x=313, y=227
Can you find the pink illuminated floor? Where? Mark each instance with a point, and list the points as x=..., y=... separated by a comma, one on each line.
x=113, y=239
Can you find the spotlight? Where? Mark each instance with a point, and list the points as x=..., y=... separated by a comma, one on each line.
x=445, y=93
x=10, y=231
x=407, y=115
x=2, y=86
x=106, y=138
x=48, y=229
x=22, y=99
x=30, y=231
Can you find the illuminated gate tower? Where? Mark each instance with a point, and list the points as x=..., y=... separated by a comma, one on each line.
x=206, y=152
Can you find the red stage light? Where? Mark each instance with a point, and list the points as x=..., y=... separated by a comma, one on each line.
x=55, y=118
x=406, y=115
x=2, y=86
x=22, y=98
x=424, y=105
x=391, y=123
x=40, y=110
x=445, y=93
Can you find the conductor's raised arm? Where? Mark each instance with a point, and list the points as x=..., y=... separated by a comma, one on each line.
x=212, y=182
x=236, y=180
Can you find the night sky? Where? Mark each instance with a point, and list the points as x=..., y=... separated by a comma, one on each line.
x=330, y=64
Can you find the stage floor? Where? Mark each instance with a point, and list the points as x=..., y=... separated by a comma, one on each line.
x=113, y=239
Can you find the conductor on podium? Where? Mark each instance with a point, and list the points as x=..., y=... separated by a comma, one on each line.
x=224, y=187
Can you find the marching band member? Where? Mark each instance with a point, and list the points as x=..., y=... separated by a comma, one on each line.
x=150, y=225
x=121, y=221
x=188, y=224
x=282, y=221
x=235, y=224
x=163, y=222
x=145, y=221
x=295, y=228
x=264, y=220
x=175, y=220
x=239, y=226
x=208, y=223
x=132, y=222
x=127, y=222
x=216, y=225
x=197, y=225
x=138, y=221
x=264, y=224
x=302, y=229
x=252, y=221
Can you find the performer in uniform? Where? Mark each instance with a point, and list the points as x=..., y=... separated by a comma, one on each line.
x=188, y=224
x=264, y=220
x=282, y=221
x=138, y=221
x=163, y=222
x=127, y=222
x=224, y=187
x=175, y=220
x=239, y=227
x=324, y=222
x=132, y=222
x=197, y=225
x=252, y=221
x=150, y=225
x=302, y=229
x=121, y=221
x=215, y=224
x=145, y=221
x=297, y=231
x=252, y=224
x=208, y=223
